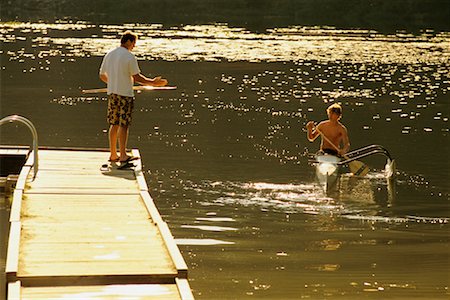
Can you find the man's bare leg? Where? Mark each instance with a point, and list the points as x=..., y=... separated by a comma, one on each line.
x=123, y=139
x=113, y=129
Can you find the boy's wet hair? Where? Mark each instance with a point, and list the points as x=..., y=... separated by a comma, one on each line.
x=128, y=36
x=335, y=108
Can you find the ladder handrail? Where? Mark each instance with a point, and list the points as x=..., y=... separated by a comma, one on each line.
x=23, y=120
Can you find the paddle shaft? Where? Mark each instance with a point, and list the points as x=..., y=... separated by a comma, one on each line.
x=356, y=167
x=329, y=141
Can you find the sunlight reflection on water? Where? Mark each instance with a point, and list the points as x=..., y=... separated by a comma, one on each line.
x=218, y=42
x=410, y=70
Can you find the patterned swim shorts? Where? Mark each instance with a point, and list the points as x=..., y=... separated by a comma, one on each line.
x=119, y=109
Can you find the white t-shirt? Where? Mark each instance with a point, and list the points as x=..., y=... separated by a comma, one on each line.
x=120, y=65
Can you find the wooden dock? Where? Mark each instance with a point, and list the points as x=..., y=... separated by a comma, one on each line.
x=80, y=232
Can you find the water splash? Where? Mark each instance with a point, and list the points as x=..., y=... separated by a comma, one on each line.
x=356, y=201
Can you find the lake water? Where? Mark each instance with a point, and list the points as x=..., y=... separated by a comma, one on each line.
x=226, y=154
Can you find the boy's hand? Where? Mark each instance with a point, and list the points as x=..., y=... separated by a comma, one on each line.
x=310, y=125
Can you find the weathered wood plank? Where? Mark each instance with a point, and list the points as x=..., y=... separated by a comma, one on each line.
x=14, y=291
x=69, y=207
x=23, y=176
x=138, y=172
x=107, y=234
x=68, y=154
x=16, y=206
x=151, y=207
x=61, y=180
x=14, y=150
x=12, y=259
x=98, y=279
x=175, y=253
x=184, y=289
x=83, y=191
x=138, y=292
x=100, y=268
x=87, y=161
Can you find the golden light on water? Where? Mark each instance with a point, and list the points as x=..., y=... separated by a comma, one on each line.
x=220, y=42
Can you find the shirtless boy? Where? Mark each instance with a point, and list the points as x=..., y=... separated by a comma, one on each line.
x=333, y=130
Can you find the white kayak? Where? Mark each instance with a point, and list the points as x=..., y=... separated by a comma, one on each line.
x=329, y=167
x=327, y=171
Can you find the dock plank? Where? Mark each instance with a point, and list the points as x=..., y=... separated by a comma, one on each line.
x=138, y=292
x=75, y=269
x=62, y=180
x=85, y=207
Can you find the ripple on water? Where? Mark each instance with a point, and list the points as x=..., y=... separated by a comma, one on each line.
x=358, y=200
x=307, y=198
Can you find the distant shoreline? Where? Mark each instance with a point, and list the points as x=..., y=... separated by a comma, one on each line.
x=384, y=16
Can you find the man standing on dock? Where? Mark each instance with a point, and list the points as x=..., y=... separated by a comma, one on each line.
x=119, y=70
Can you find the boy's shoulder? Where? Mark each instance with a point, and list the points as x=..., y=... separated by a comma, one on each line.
x=328, y=124
x=324, y=123
x=342, y=125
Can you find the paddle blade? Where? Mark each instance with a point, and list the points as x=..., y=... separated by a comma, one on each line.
x=389, y=169
x=358, y=168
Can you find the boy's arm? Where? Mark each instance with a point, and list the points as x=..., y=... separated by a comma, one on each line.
x=312, y=133
x=345, y=141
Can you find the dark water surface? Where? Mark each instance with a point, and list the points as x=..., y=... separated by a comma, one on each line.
x=225, y=154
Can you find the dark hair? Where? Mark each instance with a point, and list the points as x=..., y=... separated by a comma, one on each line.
x=128, y=36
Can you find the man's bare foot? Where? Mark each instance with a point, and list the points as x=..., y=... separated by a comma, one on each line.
x=113, y=158
x=128, y=158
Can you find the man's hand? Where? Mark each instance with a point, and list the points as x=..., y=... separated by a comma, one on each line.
x=158, y=81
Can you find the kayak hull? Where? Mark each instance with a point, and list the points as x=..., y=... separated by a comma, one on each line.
x=327, y=171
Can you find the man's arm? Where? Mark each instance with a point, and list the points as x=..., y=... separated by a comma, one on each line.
x=157, y=81
x=103, y=77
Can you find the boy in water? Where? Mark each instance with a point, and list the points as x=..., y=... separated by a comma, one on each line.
x=335, y=139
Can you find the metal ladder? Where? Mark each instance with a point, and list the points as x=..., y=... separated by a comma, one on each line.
x=23, y=120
